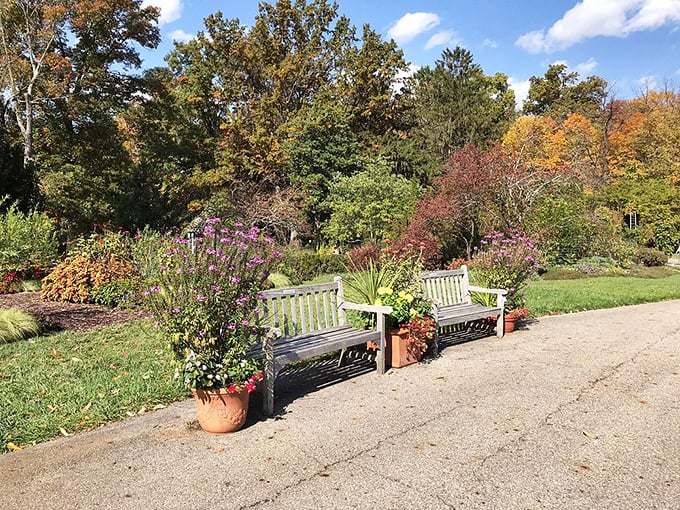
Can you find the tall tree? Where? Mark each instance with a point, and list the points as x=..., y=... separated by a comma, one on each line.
x=40, y=63
x=65, y=66
x=292, y=102
x=457, y=104
x=559, y=93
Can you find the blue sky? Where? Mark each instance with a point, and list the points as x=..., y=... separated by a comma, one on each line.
x=633, y=44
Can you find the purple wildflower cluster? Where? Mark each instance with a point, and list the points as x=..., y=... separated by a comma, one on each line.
x=205, y=298
x=506, y=262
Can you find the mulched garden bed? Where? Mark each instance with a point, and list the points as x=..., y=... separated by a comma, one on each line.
x=60, y=316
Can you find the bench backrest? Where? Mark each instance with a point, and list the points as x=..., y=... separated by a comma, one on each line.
x=451, y=287
x=303, y=309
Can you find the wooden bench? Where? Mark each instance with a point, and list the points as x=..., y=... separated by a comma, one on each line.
x=450, y=293
x=311, y=321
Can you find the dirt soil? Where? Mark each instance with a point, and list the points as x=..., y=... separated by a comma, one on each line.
x=58, y=316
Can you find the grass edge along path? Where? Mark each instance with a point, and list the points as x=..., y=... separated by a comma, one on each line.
x=69, y=382
x=549, y=297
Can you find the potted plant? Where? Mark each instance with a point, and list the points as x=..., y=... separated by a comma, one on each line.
x=410, y=326
x=507, y=262
x=375, y=282
x=205, y=299
x=510, y=319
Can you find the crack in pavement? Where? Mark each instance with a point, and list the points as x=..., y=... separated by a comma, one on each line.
x=605, y=375
x=349, y=460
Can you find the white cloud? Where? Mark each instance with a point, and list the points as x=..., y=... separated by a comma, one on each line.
x=411, y=25
x=587, y=67
x=521, y=89
x=583, y=69
x=648, y=83
x=592, y=18
x=171, y=10
x=180, y=36
x=442, y=38
x=489, y=43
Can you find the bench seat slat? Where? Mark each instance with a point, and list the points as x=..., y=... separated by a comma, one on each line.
x=448, y=315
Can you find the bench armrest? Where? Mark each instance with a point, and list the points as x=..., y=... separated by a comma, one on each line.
x=348, y=305
x=474, y=288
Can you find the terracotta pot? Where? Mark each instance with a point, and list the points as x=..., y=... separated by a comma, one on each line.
x=219, y=411
x=509, y=323
x=399, y=352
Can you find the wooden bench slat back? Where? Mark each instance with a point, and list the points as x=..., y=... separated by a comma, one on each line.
x=449, y=287
x=299, y=310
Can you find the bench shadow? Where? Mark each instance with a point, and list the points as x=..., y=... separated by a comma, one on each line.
x=296, y=381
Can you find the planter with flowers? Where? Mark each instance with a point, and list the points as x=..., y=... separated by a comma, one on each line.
x=511, y=319
x=411, y=326
x=392, y=280
x=506, y=262
x=205, y=301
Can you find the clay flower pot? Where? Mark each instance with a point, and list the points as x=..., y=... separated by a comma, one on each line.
x=220, y=411
x=399, y=351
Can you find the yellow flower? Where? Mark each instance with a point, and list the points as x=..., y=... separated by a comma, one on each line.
x=384, y=291
x=378, y=302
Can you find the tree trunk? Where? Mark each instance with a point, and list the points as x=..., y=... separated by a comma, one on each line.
x=28, y=133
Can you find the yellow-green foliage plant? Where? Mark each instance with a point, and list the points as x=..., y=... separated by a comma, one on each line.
x=17, y=325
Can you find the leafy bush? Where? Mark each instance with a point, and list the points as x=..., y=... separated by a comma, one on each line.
x=16, y=325
x=562, y=228
x=114, y=292
x=651, y=257
x=506, y=262
x=10, y=281
x=100, y=271
x=370, y=204
x=426, y=244
x=361, y=256
x=27, y=245
x=302, y=265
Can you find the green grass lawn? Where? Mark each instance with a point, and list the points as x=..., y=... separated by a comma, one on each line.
x=68, y=382
x=545, y=297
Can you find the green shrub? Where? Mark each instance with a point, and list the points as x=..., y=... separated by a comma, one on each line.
x=303, y=265
x=16, y=325
x=147, y=250
x=650, y=257
x=27, y=242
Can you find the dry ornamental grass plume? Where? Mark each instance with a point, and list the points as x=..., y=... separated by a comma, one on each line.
x=16, y=325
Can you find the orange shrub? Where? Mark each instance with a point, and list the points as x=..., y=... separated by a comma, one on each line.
x=78, y=277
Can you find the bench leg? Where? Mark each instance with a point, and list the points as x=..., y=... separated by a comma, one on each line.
x=268, y=394
x=436, y=339
x=500, y=326
x=343, y=355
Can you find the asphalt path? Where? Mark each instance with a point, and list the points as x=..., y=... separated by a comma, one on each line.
x=578, y=411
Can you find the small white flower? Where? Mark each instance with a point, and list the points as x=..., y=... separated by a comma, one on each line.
x=243, y=363
x=210, y=376
x=218, y=377
x=204, y=367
